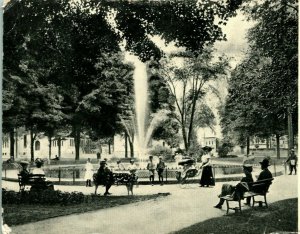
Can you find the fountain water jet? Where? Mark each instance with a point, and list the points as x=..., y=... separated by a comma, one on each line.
x=143, y=132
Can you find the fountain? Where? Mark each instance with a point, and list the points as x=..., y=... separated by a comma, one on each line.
x=144, y=127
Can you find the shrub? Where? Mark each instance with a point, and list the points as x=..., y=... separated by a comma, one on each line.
x=224, y=148
x=165, y=152
x=49, y=197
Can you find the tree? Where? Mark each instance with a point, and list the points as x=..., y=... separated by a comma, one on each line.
x=63, y=40
x=190, y=24
x=262, y=94
x=192, y=77
x=278, y=25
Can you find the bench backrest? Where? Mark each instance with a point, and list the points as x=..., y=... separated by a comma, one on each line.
x=261, y=186
x=31, y=178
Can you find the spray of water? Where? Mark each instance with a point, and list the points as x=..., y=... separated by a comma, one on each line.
x=144, y=127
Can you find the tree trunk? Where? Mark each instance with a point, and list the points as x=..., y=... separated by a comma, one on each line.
x=50, y=146
x=77, y=141
x=32, y=139
x=185, y=141
x=126, y=147
x=290, y=128
x=59, y=147
x=12, y=144
x=190, y=133
x=131, y=149
x=248, y=145
x=268, y=143
x=109, y=147
x=16, y=156
x=278, y=145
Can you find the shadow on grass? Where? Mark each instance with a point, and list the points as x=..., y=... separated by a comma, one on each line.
x=27, y=213
x=280, y=216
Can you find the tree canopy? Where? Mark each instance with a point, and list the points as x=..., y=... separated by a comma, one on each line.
x=263, y=87
x=63, y=62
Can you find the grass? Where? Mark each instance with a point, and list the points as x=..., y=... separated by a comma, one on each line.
x=23, y=213
x=280, y=216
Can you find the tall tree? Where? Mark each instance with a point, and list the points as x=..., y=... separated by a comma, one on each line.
x=192, y=80
x=262, y=95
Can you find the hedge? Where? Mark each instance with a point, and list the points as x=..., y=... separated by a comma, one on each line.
x=43, y=197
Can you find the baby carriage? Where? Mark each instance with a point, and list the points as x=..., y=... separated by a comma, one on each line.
x=188, y=174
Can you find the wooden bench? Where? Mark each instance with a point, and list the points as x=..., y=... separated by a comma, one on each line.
x=258, y=188
x=32, y=179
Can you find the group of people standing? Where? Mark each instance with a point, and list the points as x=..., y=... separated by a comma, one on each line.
x=159, y=167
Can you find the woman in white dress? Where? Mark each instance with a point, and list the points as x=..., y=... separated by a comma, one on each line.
x=89, y=171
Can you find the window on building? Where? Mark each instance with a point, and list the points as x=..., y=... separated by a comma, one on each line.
x=37, y=145
x=25, y=141
x=71, y=142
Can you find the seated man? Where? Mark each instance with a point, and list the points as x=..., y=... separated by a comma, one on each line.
x=265, y=173
x=238, y=190
x=243, y=187
x=104, y=177
x=24, y=171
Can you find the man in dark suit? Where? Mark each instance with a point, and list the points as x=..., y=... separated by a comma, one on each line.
x=105, y=177
x=265, y=173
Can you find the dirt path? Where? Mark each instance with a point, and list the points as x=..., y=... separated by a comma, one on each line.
x=182, y=208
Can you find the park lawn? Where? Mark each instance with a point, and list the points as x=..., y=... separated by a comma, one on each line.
x=25, y=213
x=280, y=216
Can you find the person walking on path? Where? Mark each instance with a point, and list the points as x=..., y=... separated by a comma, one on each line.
x=160, y=170
x=238, y=190
x=151, y=169
x=292, y=160
x=88, y=173
x=207, y=178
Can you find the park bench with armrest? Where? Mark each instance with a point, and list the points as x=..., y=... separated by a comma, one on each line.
x=257, y=188
x=30, y=180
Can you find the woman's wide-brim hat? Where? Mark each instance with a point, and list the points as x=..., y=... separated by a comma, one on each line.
x=248, y=168
x=265, y=162
x=102, y=162
x=39, y=162
x=207, y=148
